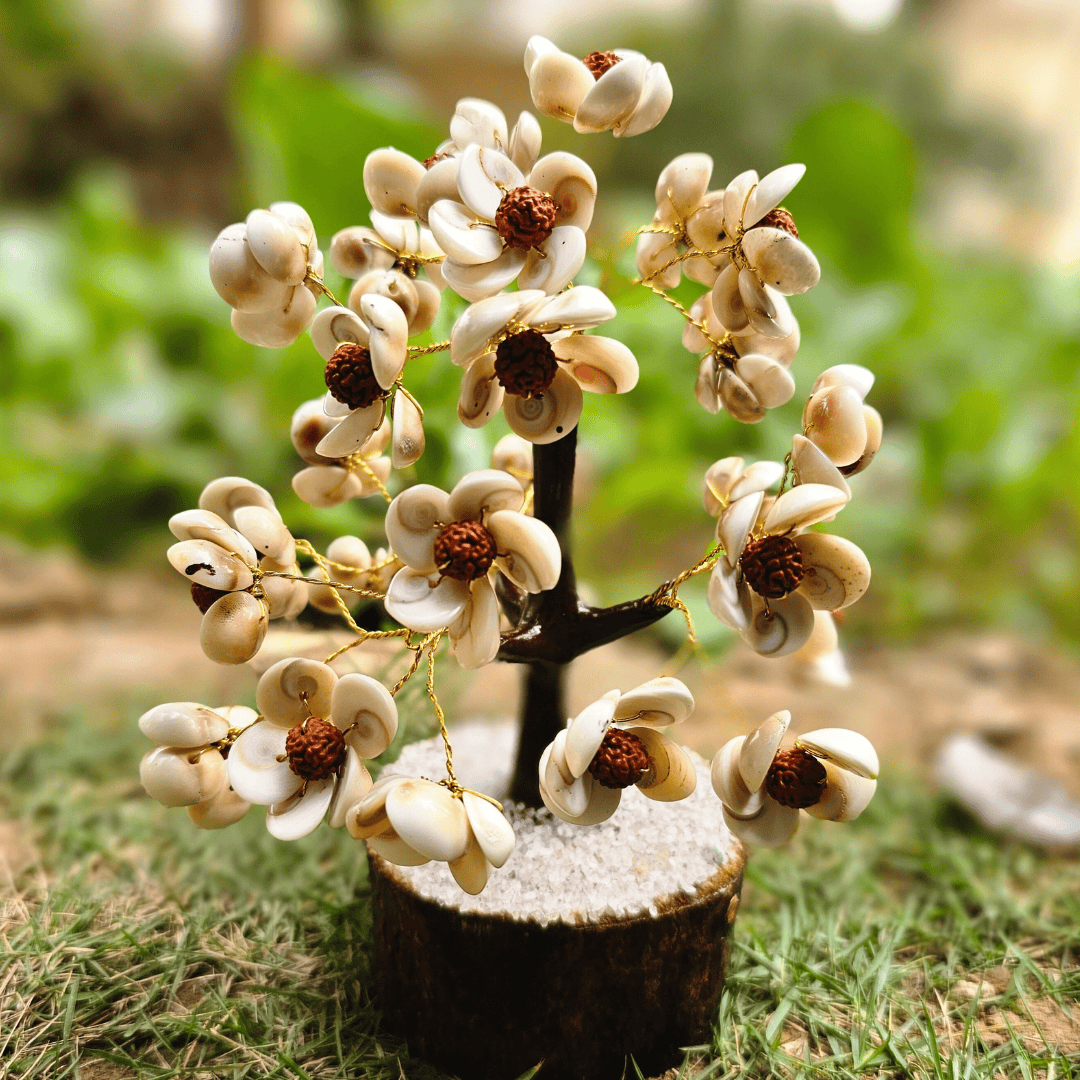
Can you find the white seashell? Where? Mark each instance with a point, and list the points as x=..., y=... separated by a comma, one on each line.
x=391, y=179
x=546, y=417
x=413, y=523
x=276, y=247
x=738, y=399
x=736, y=197
x=295, y=215
x=284, y=597
x=569, y=793
x=309, y=426
x=529, y=553
x=811, y=466
x=802, y=506
x=772, y=826
x=293, y=689
x=707, y=384
x=302, y=812
x=180, y=776
x=652, y=106
x=874, y=432
x=354, y=782
x=475, y=283
x=525, y=140
x=729, y=597
x=613, y=97
x=255, y=772
x=226, y=494
x=335, y=325
x=658, y=703
x=474, y=635
x=388, y=340
x=770, y=192
x=736, y=523
x=780, y=341
x=266, y=532
x=558, y=84
x=536, y=47
x=657, y=261
x=399, y=233
x=478, y=121
x=514, y=455
x=720, y=478
x=484, y=177
x=705, y=225
x=837, y=573
x=671, y=775
x=599, y=364
x=277, y=328
x=835, y=422
x=551, y=266
x=422, y=602
x=580, y=308
x=761, y=312
x=843, y=747
x=182, y=723
x=759, y=476
x=429, y=819
x=481, y=394
x=219, y=811
x=459, y=234
x=439, y=182
x=239, y=279
x=483, y=321
x=845, y=797
x=603, y=802
x=782, y=627
x=408, y=432
x=727, y=301
x=396, y=851
x=358, y=250
x=571, y=183
x=824, y=639
x=353, y=431
x=363, y=708
x=391, y=284
x=682, y=185
x=206, y=525
x=471, y=870
x=728, y=783
x=204, y=562
x=367, y=818
x=760, y=747
x=493, y=832
x=859, y=378
x=483, y=491
x=323, y=486
x=233, y=628
x=781, y=261
x=316, y=269
x=586, y=732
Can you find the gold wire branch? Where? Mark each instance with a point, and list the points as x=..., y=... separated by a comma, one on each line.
x=358, y=462
x=424, y=350
x=312, y=278
x=452, y=782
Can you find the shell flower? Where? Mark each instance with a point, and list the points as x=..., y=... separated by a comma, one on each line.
x=305, y=761
x=526, y=352
x=260, y=268
x=365, y=356
x=830, y=773
x=410, y=821
x=618, y=90
x=613, y=743
x=839, y=423
x=514, y=455
x=504, y=226
x=453, y=545
x=399, y=186
x=762, y=256
x=773, y=575
x=352, y=564
x=328, y=481
x=188, y=766
x=235, y=533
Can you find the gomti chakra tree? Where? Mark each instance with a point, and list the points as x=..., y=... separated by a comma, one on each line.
x=487, y=566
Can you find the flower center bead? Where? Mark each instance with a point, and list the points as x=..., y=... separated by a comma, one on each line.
x=599, y=62
x=772, y=566
x=779, y=219
x=465, y=550
x=622, y=759
x=349, y=376
x=204, y=596
x=796, y=778
x=316, y=749
x=525, y=363
x=526, y=217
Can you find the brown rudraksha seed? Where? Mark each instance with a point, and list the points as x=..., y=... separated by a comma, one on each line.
x=204, y=596
x=464, y=551
x=599, y=62
x=778, y=219
x=316, y=749
x=525, y=217
x=622, y=759
x=349, y=376
x=772, y=566
x=525, y=363
x=796, y=778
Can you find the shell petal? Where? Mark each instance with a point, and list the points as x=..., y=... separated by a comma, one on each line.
x=481, y=394
x=729, y=597
x=456, y=231
x=335, y=325
x=484, y=491
x=293, y=689
x=302, y=812
x=172, y=778
x=423, y=603
x=206, y=525
x=484, y=176
x=276, y=247
x=412, y=524
x=486, y=319
x=657, y=703
x=323, y=486
x=546, y=417
x=652, y=106
x=493, y=832
x=357, y=250
x=837, y=573
x=835, y=421
x=672, y=775
x=736, y=197
x=859, y=378
x=571, y=183
x=845, y=797
x=552, y=266
x=760, y=747
x=266, y=532
x=254, y=771
x=739, y=400
x=233, y=628
x=475, y=283
x=586, y=732
x=558, y=83
x=759, y=476
x=569, y=793
x=408, y=432
x=802, y=506
x=477, y=121
x=613, y=97
x=736, y=522
x=771, y=191
x=529, y=552
x=845, y=748
x=727, y=300
x=525, y=141
x=781, y=261
x=720, y=478
x=363, y=708
x=353, y=431
x=183, y=724
x=391, y=179
x=474, y=635
x=429, y=819
x=728, y=783
x=813, y=467
x=353, y=784
x=219, y=811
x=471, y=870
x=599, y=364
x=396, y=851
x=203, y=562
x=782, y=627
x=439, y=182
x=580, y=308
x=773, y=826
x=239, y=279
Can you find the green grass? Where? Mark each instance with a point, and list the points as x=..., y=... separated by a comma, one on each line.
x=135, y=945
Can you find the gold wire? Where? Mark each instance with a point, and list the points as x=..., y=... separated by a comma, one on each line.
x=419, y=407
x=418, y=655
x=314, y=279
x=364, y=467
x=424, y=350
x=452, y=782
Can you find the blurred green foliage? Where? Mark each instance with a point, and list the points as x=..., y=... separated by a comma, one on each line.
x=123, y=389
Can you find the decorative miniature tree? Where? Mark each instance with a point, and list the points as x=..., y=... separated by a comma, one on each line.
x=487, y=567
